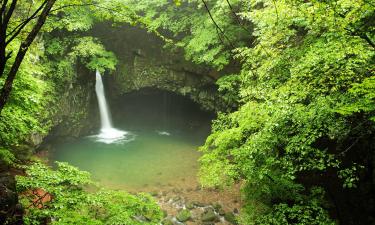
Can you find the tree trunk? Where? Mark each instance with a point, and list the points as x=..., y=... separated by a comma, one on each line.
x=7, y=87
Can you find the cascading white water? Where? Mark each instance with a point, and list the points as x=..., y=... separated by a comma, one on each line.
x=108, y=134
x=103, y=107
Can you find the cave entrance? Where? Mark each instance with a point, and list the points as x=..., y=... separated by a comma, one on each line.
x=165, y=132
x=154, y=109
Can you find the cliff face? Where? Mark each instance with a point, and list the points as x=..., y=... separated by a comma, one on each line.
x=76, y=107
x=73, y=111
x=145, y=63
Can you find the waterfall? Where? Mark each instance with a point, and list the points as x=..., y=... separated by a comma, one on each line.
x=108, y=134
x=103, y=107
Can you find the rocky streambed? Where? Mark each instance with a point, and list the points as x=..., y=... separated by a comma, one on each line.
x=199, y=206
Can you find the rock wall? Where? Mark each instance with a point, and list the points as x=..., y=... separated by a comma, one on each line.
x=76, y=107
x=145, y=63
x=72, y=113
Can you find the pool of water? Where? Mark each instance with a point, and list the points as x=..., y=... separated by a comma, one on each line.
x=160, y=149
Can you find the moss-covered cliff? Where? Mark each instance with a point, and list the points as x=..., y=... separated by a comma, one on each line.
x=143, y=62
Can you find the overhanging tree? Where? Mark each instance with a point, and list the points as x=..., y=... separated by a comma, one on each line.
x=8, y=35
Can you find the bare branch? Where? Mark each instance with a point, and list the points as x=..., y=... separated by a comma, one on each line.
x=216, y=25
x=14, y=33
x=236, y=16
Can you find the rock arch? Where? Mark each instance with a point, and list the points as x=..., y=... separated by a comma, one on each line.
x=143, y=62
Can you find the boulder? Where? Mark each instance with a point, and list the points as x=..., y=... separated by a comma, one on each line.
x=190, y=205
x=231, y=218
x=221, y=212
x=209, y=216
x=183, y=216
x=198, y=204
x=167, y=222
x=217, y=206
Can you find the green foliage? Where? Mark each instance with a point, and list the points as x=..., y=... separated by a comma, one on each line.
x=305, y=67
x=93, y=55
x=51, y=66
x=228, y=88
x=6, y=157
x=25, y=110
x=350, y=176
x=70, y=203
x=361, y=99
x=300, y=104
x=193, y=29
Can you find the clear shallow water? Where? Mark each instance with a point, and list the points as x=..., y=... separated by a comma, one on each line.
x=160, y=149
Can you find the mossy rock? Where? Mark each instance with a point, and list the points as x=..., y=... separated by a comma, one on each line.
x=217, y=206
x=167, y=222
x=209, y=216
x=190, y=205
x=221, y=212
x=198, y=204
x=207, y=223
x=154, y=193
x=183, y=215
x=231, y=218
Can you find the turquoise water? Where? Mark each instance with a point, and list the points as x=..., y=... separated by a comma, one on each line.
x=160, y=150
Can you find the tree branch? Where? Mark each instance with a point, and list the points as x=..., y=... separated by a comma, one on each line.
x=237, y=18
x=7, y=87
x=350, y=147
x=73, y=5
x=216, y=25
x=14, y=33
x=363, y=35
x=9, y=14
x=2, y=12
x=368, y=39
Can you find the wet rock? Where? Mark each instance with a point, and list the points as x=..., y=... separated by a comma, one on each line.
x=209, y=216
x=176, y=198
x=154, y=193
x=207, y=223
x=176, y=190
x=231, y=218
x=36, y=139
x=184, y=215
x=221, y=212
x=198, y=204
x=168, y=221
x=217, y=206
x=190, y=205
